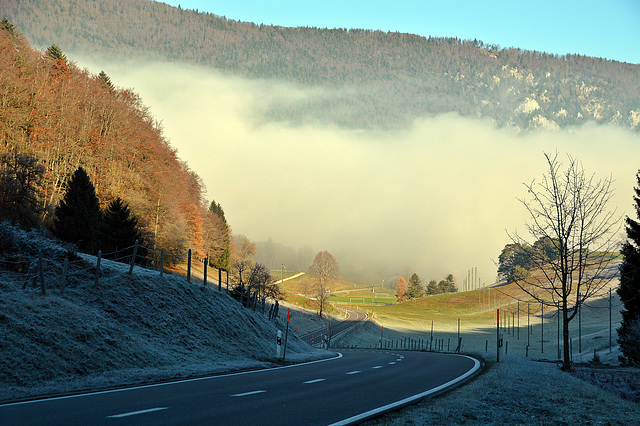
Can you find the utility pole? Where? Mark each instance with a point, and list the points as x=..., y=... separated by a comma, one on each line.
x=542, y=328
x=518, y=320
x=579, y=325
x=609, y=319
x=559, y=331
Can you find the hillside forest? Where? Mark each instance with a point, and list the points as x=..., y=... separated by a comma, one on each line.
x=56, y=118
x=376, y=79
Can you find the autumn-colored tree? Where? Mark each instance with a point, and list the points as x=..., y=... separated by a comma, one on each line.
x=324, y=270
x=401, y=289
x=196, y=232
x=66, y=117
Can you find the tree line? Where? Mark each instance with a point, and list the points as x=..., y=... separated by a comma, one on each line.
x=56, y=118
x=518, y=258
x=414, y=289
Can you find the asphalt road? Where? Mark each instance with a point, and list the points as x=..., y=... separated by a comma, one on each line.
x=357, y=385
x=354, y=316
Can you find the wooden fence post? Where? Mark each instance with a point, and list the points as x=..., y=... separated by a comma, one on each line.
x=189, y=266
x=206, y=261
x=219, y=279
x=95, y=284
x=41, y=273
x=133, y=258
x=161, y=262
x=65, y=268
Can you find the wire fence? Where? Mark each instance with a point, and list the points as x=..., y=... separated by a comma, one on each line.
x=68, y=268
x=60, y=267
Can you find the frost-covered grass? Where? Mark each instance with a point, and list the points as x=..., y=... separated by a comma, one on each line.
x=127, y=330
x=517, y=390
x=520, y=391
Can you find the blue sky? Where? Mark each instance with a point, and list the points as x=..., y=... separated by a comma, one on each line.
x=600, y=28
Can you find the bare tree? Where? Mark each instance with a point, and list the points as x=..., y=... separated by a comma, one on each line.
x=262, y=285
x=568, y=209
x=325, y=270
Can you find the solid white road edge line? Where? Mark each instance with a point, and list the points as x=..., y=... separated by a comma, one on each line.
x=249, y=393
x=135, y=413
x=80, y=395
x=369, y=413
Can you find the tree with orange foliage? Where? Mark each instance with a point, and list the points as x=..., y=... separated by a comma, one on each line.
x=401, y=289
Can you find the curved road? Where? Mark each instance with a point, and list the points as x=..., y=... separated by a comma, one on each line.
x=354, y=316
x=359, y=384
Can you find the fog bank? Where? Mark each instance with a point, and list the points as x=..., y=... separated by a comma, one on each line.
x=434, y=199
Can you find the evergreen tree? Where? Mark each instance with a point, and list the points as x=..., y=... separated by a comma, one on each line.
x=415, y=288
x=217, y=209
x=78, y=218
x=223, y=259
x=8, y=26
x=452, y=283
x=54, y=52
x=105, y=80
x=629, y=290
x=432, y=287
x=121, y=227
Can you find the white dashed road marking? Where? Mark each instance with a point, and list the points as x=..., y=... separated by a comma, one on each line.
x=135, y=413
x=315, y=381
x=354, y=372
x=249, y=393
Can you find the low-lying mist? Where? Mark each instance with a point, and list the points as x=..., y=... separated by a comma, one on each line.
x=435, y=198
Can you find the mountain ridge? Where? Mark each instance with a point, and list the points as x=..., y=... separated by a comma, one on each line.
x=390, y=78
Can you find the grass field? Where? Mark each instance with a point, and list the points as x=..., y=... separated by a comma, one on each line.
x=527, y=329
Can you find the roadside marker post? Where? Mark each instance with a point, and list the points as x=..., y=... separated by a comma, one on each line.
x=278, y=344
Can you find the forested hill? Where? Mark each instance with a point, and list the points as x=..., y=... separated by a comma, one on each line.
x=382, y=79
x=55, y=117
